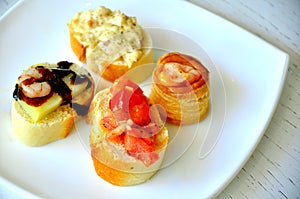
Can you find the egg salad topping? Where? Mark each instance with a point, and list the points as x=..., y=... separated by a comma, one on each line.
x=111, y=31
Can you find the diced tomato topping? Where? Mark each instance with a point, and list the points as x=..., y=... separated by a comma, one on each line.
x=140, y=114
x=129, y=102
x=117, y=139
x=136, y=98
x=149, y=140
x=136, y=145
x=138, y=148
x=109, y=122
x=113, y=134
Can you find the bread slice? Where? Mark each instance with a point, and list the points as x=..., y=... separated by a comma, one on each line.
x=111, y=161
x=55, y=125
x=88, y=30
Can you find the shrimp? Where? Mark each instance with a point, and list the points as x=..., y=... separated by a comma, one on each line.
x=34, y=89
x=31, y=73
x=179, y=73
x=122, y=127
x=37, y=89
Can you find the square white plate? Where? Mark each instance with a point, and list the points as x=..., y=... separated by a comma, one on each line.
x=246, y=76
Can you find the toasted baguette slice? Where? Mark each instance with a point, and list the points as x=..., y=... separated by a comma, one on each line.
x=111, y=161
x=98, y=25
x=56, y=124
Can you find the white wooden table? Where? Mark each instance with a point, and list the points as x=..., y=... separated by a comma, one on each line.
x=273, y=170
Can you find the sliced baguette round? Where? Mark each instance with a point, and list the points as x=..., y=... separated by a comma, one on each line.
x=54, y=126
x=111, y=161
x=85, y=48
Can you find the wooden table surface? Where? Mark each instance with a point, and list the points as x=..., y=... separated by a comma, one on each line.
x=273, y=170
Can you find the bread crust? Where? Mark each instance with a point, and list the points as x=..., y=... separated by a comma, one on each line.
x=111, y=161
x=54, y=126
x=78, y=48
x=112, y=71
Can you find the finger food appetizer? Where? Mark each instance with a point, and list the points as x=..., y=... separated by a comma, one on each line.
x=47, y=100
x=128, y=137
x=110, y=42
x=180, y=83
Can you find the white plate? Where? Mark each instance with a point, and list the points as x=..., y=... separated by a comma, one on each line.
x=247, y=75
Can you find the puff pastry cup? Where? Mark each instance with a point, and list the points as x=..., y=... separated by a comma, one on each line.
x=180, y=83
